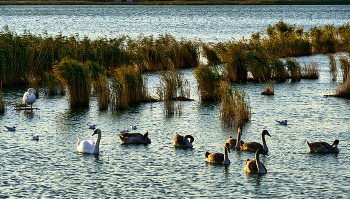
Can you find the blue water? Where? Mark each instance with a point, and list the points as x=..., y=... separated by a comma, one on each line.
x=51, y=167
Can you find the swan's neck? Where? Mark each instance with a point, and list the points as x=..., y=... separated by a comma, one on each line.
x=258, y=163
x=238, y=141
x=97, y=144
x=264, y=143
x=226, y=160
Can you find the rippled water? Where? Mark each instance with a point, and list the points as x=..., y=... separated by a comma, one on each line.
x=51, y=167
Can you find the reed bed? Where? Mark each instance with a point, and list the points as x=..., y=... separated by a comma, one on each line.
x=75, y=76
x=173, y=86
x=310, y=71
x=234, y=107
x=208, y=79
x=52, y=85
x=127, y=87
x=332, y=66
x=343, y=90
x=100, y=83
x=345, y=66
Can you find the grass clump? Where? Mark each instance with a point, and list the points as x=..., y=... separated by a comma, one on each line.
x=294, y=69
x=75, y=76
x=234, y=107
x=269, y=88
x=127, y=87
x=208, y=79
x=345, y=66
x=99, y=80
x=53, y=86
x=310, y=71
x=332, y=66
x=343, y=90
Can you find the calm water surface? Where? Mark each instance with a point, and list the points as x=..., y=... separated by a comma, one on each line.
x=51, y=167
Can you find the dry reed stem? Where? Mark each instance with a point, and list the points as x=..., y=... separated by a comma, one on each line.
x=332, y=66
x=310, y=71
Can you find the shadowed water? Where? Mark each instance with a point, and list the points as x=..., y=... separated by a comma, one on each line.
x=51, y=167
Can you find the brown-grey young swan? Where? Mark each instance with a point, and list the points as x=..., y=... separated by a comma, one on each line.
x=219, y=158
x=255, y=166
x=323, y=147
x=253, y=146
x=233, y=141
x=135, y=138
x=180, y=141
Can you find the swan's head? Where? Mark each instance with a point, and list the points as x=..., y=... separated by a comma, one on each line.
x=265, y=132
x=189, y=136
x=97, y=131
x=31, y=90
x=261, y=151
x=335, y=143
x=227, y=147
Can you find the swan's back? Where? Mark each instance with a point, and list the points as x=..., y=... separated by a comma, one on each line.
x=85, y=146
x=250, y=166
x=232, y=142
x=322, y=147
x=29, y=96
x=135, y=138
x=251, y=146
x=214, y=157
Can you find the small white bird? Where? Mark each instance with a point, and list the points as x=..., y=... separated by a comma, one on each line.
x=11, y=128
x=35, y=137
x=29, y=97
x=282, y=122
x=123, y=131
x=92, y=126
x=133, y=127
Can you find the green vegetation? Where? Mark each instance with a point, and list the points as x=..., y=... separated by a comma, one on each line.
x=208, y=79
x=75, y=76
x=2, y=103
x=99, y=81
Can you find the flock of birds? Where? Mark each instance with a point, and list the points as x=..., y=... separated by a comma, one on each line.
x=251, y=166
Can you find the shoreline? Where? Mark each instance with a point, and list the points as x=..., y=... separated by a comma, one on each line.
x=249, y=2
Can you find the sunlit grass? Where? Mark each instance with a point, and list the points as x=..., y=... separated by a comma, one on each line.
x=208, y=79
x=310, y=71
x=75, y=76
x=345, y=66
x=332, y=66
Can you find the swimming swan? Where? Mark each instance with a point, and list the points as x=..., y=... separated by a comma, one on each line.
x=283, y=122
x=219, y=158
x=180, y=141
x=11, y=128
x=90, y=146
x=29, y=97
x=233, y=141
x=253, y=146
x=323, y=147
x=135, y=138
x=255, y=166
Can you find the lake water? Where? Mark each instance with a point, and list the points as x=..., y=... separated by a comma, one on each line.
x=51, y=167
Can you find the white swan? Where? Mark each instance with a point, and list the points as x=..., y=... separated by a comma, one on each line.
x=11, y=128
x=323, y=147
x=180, y=141
x=90, y=146
x=92, y=126
x=133, y=127
x=233, y=141
x=255, y=166
x=135, y=138
x=29, y=97
x=253, y=146
x=35, y=137
x=282, y=122
x=219, y=158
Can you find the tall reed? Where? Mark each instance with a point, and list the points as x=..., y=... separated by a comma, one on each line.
x=127, y=87
x=294, y=69
x=343, y=90
x=268, y=88
x=208, y=79
x=173, y=86
x=345, y=66
x=75, y=76
x=332, y=66
x=310, y=71
x=53, y=86
x=210, y=54
x=279, y=71
x=234, y=107
x=99, y=80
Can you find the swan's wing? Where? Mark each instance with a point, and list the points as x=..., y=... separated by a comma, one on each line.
x=232, y=142
x=85, y=146
x=216, y=157
x=179, y=140
x=251, y=146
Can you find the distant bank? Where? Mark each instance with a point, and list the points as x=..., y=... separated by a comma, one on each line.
x=143, y=2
